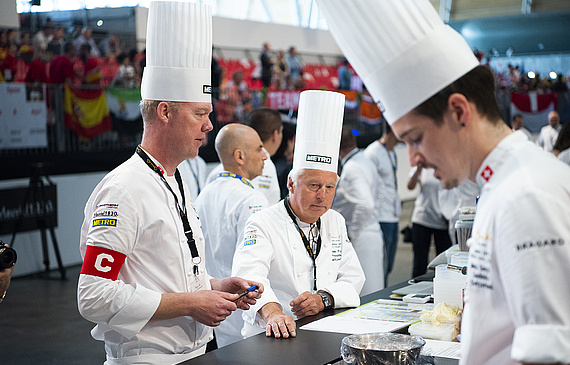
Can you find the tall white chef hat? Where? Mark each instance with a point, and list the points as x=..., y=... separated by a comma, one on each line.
x=401, y=49
x=319, y=126
x=178, y=52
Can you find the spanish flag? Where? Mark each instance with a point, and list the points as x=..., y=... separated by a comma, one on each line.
x=86, y=111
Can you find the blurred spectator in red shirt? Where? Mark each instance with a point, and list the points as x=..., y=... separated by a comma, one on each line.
x=61, y=69
x=7, y=59
x=91, y=72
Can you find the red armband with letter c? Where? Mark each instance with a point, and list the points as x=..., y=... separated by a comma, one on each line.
x=102, y=262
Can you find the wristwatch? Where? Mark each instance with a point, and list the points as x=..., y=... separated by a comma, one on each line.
x=326, y=299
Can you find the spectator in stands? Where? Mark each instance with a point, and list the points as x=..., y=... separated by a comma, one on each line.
x=126, y=74
x=518, y=125
x=75, y=30
x=344, y=76
x=281, y=70
x=25, y=44
x=295, y=66
x=560, y=85
x=35, y=78
x=12, y=38
x=91, y=72
x=42, y=38
x=61, y=69
x=7, y=60
x=55, y=47
x=110, y=47
x=238, y=96
x=86, y=37
x=266, y=65
x=283, y=158
x=142, y=63
x=549, y=133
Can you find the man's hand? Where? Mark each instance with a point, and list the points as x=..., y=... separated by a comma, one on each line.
x=209, y=307
x=281, y=325
x=5, y=276
x=237, y=285
x=307, y=304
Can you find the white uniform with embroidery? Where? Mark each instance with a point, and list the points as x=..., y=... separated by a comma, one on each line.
x=273, y=254
x=354, y=199
x=148, y=230
x=388, y=204
x=518, y=296
x=224, y=206
x=267, y=182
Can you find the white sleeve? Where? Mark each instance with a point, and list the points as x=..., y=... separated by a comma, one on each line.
x=252, y=261
x=125, y=308
x=534, y=263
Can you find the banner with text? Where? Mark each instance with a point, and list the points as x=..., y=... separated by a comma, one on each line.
x=22, y=116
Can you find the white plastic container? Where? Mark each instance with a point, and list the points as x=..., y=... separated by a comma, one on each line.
x=448, y=286
x=443, y=332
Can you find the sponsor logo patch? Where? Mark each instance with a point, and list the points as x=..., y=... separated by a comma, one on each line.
x=206, y=89
x=108, y=206
x=319, y=158
x=106, y=213
x=104, y=222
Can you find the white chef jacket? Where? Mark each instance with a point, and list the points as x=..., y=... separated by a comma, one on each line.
x=273, y=254
x=388, y=205
x=526, y=132
x=426, y=207
x=193, y=172
x=354, y=200
x=519, y=259
x=223, y=207
x=146, y=227
x=267, y=182
x=547, y=137
x=564, y=156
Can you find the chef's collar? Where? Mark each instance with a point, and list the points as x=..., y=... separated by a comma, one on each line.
x=155, y=161
x=349, y=156
x=497, y=158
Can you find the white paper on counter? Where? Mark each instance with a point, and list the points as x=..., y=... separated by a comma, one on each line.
x=382, y=315
x=450, y=350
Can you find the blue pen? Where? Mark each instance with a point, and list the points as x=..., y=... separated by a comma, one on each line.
x=249, y=290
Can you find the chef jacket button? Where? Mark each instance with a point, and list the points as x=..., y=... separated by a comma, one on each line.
x=299, y=274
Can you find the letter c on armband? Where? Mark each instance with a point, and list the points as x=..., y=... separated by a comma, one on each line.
x=102, y=262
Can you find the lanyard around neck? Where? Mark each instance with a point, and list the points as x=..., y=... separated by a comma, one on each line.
x=312, y=255
x=181, y=209
x=236, y=176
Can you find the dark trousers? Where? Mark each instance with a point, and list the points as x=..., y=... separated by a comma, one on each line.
x=421, y=240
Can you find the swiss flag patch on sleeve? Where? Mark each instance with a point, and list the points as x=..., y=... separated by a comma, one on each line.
x=102, y=262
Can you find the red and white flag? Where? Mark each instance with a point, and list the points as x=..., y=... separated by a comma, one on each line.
x=534, y=108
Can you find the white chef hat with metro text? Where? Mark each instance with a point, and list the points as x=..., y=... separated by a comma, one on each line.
x=319, y=127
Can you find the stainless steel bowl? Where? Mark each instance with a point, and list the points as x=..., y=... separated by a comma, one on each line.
x=381, y=348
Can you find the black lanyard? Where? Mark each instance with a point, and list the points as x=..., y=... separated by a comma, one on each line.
x=312, y=255
x=181, y=209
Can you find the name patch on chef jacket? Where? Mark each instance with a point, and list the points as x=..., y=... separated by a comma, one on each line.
x=336, y=247
x=102, y=262
x=255, y=208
